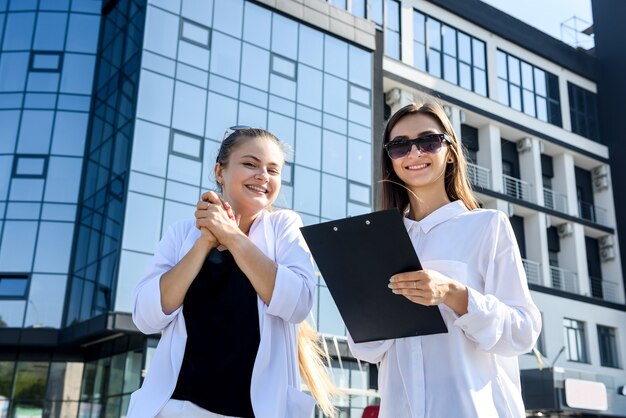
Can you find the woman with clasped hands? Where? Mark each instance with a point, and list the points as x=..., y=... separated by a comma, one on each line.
x=227, y=292
x=472, y=271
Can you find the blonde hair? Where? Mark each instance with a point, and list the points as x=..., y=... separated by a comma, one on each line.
x=313, y=371
x=395, y=194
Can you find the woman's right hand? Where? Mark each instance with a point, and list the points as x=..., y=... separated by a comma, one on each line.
x=207, y=199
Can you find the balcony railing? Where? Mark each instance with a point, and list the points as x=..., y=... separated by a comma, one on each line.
x=564, y=279
x=554, y=200
x=479, y=176
x=517, y=188
x=592, y=213
x=604, y=289
x=533, y=271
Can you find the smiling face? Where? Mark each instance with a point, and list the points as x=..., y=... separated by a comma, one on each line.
x=419, y=171
x=251, y=178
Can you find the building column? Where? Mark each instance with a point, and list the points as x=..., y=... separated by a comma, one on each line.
x=537, y=244
x=564, y=180
x=564, y=98
x=490, y=155
x=406, y=32
x=573, y=256
x=397, y=98
x=529, y=152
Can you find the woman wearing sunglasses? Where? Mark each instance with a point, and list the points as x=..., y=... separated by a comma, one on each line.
x=472, y=271
x=227, y=292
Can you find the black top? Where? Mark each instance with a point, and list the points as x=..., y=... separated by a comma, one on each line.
x=222, y=320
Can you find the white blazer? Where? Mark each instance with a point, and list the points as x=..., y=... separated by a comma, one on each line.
x=275, y=388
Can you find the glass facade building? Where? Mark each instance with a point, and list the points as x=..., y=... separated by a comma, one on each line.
x=112, y=112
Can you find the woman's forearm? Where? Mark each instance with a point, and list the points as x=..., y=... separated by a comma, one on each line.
x=260, y=270
x=175, y=283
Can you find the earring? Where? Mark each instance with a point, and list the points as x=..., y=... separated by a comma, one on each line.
x=450, y=161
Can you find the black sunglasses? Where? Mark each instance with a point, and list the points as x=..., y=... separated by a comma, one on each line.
x=234, y=129
x=426, y=144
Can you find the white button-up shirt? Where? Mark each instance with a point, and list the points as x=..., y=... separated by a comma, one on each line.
x=471, y=371
x=275, y=387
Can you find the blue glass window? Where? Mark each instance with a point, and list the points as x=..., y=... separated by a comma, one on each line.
x=225, y=55
x=46, y=61
x=284, y=36
x=186, y=145
x=13, y=286
x=18, y=245
x=308, y=145
x=336, y=57
x=13, y=71
x=392, y=30
x=198, y=10
x=307, y=192
x=228, y=17
x=257, y=25
x=310, y=86
x=311, y=51
x=30, y=166
x=161, y=32
x=255, y=64
x=333, y=197
x=78, y=73
x=18, y=31
x=359, y=193
x=195, y=33
x=189, y=108
x=54, y=244
x=50, y=31
x=284, y=66
x=334, y=153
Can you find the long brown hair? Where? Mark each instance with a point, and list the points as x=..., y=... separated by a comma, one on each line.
x=394, y=194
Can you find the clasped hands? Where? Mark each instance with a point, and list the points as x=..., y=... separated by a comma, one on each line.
x=216, y=220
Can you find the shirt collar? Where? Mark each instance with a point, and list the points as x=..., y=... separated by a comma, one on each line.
x=447, y=211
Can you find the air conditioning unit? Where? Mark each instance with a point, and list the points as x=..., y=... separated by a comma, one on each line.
x=606, y=241
x=601, y=183
x=524, y=145
x=607, y=254
x=565, y=230
x=601, y=170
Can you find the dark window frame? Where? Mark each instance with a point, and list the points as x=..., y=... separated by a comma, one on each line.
x=583, y=116
x=457, y=58
x=578, y=328
x=182, y=37
x=31, y=62
x=171, y=151
x=552, y=95
x=607, y=345
x=273, y=56
x=16, y=157
x=16, y=276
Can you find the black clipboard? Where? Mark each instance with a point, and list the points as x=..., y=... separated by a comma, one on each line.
x=357, y=256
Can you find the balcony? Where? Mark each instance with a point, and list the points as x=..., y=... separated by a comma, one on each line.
x=554, y=200
x=517, y=188
x=564, y=280
x=592, y=213
x=604, y=289
x=479, y=176
x=533, y=271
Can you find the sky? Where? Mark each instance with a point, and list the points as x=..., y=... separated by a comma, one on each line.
x=547, y=16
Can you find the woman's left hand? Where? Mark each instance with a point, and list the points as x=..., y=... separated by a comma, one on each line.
x=429, y=287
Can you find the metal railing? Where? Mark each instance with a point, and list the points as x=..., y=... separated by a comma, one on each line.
x=592, y=213
x=479, y=176
x=554, y=200
x=533, y=271
x=564, y=280
x=604, y=289
x=517, y=188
